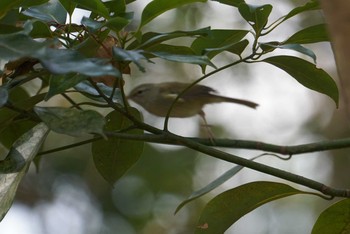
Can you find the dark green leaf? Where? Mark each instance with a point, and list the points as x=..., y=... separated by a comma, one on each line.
x=335, y=219
x=256, y=16
x=171, y=49
x=60, y=83
x=68, y=5
x=234, y=3
x=158, y=7
x=4, y=95
x=71, y=122
x=15, y=130
x=96, y=6
x=14, y=46
x=87, y=89
x=152, y=38
x=130, y=55
x=26, y=104
x=307, y=74
x=184, y=58
x=296, y=47
x=6, y=5
x=217, y=41
x=52, y=11
x=117, y=23
x=115, y=156
x=117, y=7
x=91, y=25
x=52, y=60
x=313, y=34
x=30, y=3
x=228, y=207
x=214, y=184
x=16, y=163
x=40, y=30
x=309, y=6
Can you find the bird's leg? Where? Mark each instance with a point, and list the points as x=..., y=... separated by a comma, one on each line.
x=207, y=127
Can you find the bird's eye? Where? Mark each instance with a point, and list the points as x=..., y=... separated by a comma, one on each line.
x=140, y=92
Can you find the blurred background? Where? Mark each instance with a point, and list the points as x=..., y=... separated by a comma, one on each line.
x=67, y=195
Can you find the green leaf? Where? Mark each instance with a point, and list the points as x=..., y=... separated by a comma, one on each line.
x=30, y=3
x=15, y=130
x=270, y=46
x=52, y=11
x=96, y=6
x=60, y=83
x=312, y=34
x=228, y=207
x=218, y=41
x=309, y=6
x=14, y=46
x=7, y=5
x=116, y=23
x=8, y=115
x=184, y=58
x=68, y=5
x=307, y=74
x=71, y=122
x=158, y=7
x=40, y=30
x=115, y=156
x=152, y=38
x=52, y=60
x=88, y=90
x=234, y=3
x=214, y=184
x=171, y=49
x=334, y=219
x=16, y=163
x=4, y=95
x=256, y=16
x=130, y=55
x=91, y=25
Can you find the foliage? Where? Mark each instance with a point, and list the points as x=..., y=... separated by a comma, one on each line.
x=39, y=42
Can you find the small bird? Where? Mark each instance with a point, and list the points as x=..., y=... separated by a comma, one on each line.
x=157, y=99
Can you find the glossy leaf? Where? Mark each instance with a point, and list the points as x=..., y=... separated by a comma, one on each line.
x=217, y=41
x=335, y=219
x=87, y=89
x=152, y=38
x=96, y=6
x=309, y=6
x=158, y=7
x=52, y=11
x=270, y=46
x=184, y=58
x=312, y=34
x=60, y=83
x=116, y=23
x=4, y=95
x=90, y=24
x=52, y=60
x=30, y=3
x=256, y=16
x=16, y=163
x=225, y=209
x=115, y=156
x=307, y=74
x=69, y=5
x=14, y=46
x=71, y=122
x=130, y=55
